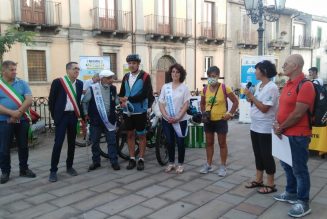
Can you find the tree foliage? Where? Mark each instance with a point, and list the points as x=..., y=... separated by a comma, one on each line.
x=13, y=35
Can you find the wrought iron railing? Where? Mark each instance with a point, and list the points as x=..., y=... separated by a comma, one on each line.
x=47, y=13
x=111, y=20
x=41, y=106
x=212, y=30
x=164, y=25
x=306, y=42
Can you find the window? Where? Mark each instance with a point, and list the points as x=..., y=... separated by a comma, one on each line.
x=36, y=63
x=208, y=19
x=319, y=30
x=107, y=14
x=113, y=61
x=207, y=64
x=163, y=11
x=318, y=64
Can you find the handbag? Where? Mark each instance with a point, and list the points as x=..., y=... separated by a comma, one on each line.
x=206, y=116
x=34, y=116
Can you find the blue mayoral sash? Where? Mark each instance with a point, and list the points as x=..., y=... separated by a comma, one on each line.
x=101, y=108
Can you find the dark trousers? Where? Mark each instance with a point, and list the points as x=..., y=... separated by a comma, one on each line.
x=171, y=136
x=110, y=136
x=7, y=132
x=67, y=124
x=262, y=149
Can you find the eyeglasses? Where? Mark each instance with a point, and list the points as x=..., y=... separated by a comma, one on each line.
x=76, y=68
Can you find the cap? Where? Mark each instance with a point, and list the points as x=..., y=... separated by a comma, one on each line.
x=106, y=73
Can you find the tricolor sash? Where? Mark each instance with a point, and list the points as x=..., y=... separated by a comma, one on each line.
x=101, y=107
x=68, y=86
x=171, y=110
x=14, y=96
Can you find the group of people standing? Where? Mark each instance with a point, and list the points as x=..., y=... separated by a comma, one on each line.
x=96, y=102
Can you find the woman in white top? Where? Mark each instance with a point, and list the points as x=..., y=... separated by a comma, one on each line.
x=263, y=109
x=174, y=102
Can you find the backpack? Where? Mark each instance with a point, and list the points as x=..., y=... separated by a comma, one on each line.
x=150, y=96
x=318, y=115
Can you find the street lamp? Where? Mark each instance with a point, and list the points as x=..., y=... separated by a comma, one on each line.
x=259, y=12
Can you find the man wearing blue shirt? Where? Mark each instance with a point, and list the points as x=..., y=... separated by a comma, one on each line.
x=15, y=100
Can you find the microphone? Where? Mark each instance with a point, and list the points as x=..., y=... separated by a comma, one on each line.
x=248, y=85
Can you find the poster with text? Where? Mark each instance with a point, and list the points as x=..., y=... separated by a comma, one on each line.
x=91, y=65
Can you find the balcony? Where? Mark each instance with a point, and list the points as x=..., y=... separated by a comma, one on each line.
x=38, y=15
x=167, y=28
x=212, y=33
x=247, y=39
x=303, y=42
x=114, y=23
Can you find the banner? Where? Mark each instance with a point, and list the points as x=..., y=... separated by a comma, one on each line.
x=91, y=65
x=248, y=75
x=319, y=139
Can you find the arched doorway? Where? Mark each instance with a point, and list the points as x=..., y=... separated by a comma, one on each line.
x=162, y=67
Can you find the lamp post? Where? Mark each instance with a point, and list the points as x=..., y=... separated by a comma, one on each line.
x=258, y=12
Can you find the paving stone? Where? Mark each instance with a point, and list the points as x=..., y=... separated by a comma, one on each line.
x=174, y=194
x=216, y=189
x=17, y=206
x=75, y=197
x=235, y=214
x=233, y=199
x=152, y=191
x=65, y=212
x=188, y=176
x=137, y=185
x=93, y=214
x=261, y=200
x=195, y=185
x=11, y=198
x=132, y=177
x=171, y=183
x=175, y=210
x=320, y=199
x=277, y=210
x=242, y=191
x=95, y=201
x=136, y=212
x=200, y=197
x=251, y=209
x=116, y=217
x=34, y=211
x=104, y=187
x=155, y=203
x=223, y=184
x=119, y=191
x=4, y=213
x=235, y=177
x=38, y=199
x=120, y=204
x=45, y=188
x=211, y=210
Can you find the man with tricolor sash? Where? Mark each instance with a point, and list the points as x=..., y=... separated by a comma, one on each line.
x=65, y=108
x=99, y=104
x=15, y=100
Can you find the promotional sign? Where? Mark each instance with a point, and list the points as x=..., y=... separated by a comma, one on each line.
x=91, y=65
x=319, y=139
x=248, y=75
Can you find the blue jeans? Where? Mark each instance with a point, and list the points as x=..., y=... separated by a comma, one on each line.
x=7, y=132
x=297, y=177
x=171, y=136
x=95, y=134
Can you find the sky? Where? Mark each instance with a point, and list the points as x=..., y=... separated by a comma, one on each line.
x=315, y=7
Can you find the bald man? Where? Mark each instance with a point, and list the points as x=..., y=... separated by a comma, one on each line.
x=293, y=121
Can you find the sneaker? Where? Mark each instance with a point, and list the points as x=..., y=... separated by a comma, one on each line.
x=206, y=169
x=286, y=197
x=170, y=167
x=27, y=173
x=131, y=164
x=94, y=166
x=115, y=166
x=71, y=171
x=180, y=169
x=4, y=178
x=53, y=177
x=140, y=165
x=299, y=209
x=222, y=171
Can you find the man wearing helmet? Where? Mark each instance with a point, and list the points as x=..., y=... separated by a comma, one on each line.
x=135, y=89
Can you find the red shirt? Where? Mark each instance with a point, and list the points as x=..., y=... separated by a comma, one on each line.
x=287, y=101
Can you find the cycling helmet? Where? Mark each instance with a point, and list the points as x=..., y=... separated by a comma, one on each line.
x=133, y=57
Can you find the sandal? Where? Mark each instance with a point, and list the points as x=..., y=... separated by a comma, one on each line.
x=267, y=189
x=254, y=184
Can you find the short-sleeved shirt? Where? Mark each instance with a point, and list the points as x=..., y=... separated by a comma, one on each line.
x=87, y=84
x=180, y=94
x=219, y=108
x=287, y=102
x=22, y=88
x=267, y=95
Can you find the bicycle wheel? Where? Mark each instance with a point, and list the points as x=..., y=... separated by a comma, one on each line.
x=122, y=145
x=161, y=147
x=103, y=146
x=81, y=142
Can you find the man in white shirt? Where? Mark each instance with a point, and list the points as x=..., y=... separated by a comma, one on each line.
x=313, y=74
x=88, y=83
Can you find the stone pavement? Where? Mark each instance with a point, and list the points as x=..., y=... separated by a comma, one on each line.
x=152, y=193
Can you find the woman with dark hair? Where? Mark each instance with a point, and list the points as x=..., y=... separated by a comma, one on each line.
x=263, y=109
x=214, y=102
x=174, y=102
